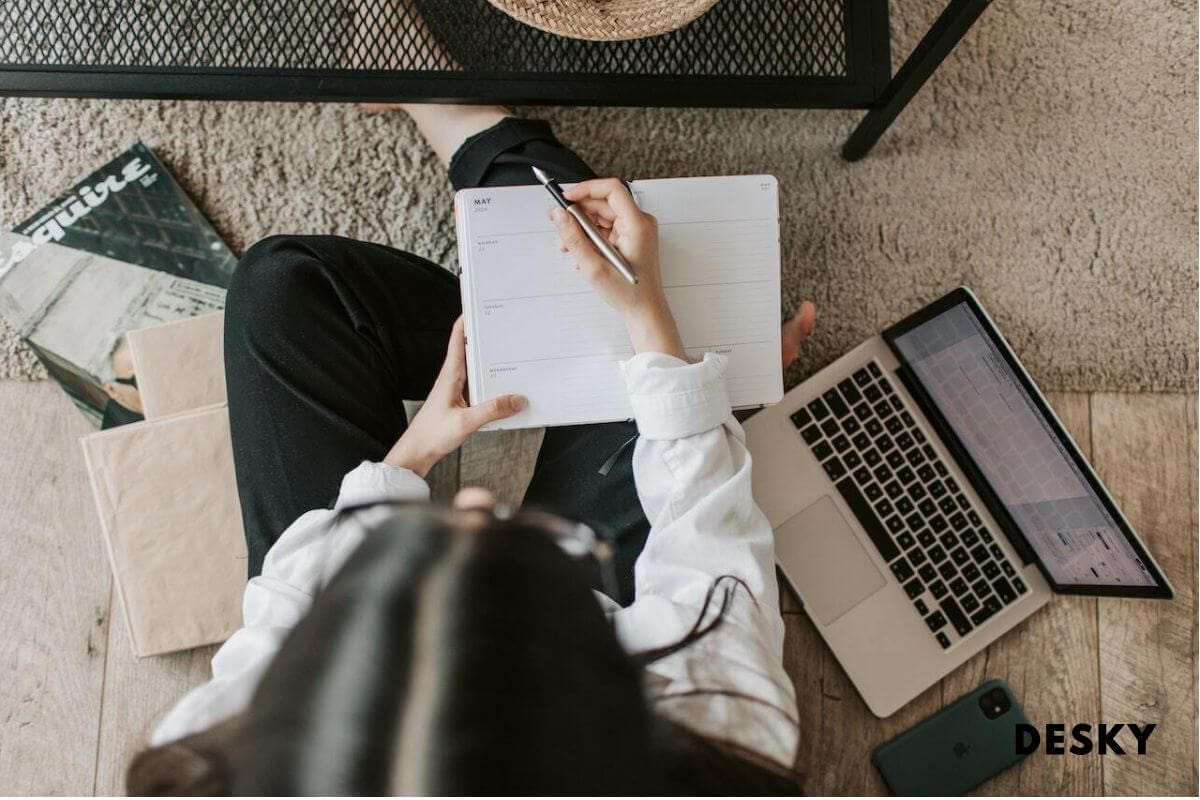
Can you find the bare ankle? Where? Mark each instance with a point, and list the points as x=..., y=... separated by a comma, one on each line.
x=446, y=127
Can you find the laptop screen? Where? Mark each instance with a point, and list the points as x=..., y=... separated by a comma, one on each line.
x=1031, y=470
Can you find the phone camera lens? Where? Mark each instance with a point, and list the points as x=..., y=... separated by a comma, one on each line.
x=994, y=703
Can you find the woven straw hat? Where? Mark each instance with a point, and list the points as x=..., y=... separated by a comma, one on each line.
x=605, y=20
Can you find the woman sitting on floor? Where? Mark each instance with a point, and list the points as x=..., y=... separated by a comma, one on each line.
x=393, y=646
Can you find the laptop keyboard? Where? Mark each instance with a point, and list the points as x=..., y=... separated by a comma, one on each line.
x=912, y=509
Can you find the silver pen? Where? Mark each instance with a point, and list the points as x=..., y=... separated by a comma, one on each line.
x=610, y=253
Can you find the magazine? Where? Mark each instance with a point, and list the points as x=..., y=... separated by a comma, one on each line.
x=123, y=249
x=131, y=209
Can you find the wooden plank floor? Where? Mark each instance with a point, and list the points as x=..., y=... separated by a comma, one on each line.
x=75, y=705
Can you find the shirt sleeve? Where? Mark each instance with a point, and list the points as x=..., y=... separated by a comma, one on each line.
x=303, y=559
x=692, y=471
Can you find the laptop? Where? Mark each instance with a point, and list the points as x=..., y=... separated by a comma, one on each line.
x=926, y=499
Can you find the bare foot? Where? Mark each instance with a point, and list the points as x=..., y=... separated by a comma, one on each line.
x=796, y=330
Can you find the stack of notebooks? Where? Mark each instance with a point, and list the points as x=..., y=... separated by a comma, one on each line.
x=166, y=496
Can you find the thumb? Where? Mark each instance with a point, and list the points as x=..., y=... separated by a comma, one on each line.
x=501, y=407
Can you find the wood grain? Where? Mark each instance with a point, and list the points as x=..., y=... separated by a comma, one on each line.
x=54, y=597
x=1144, y=450
x=501, y=461
x=1031, y=659
x=803, y=654
x=788, y=602
x=849, y=731
x=136, y=695
x=443, y=479
x=837, y=730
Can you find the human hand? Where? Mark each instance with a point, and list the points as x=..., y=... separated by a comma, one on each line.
x=796, y=330
x=446, y=419
x=643, y=306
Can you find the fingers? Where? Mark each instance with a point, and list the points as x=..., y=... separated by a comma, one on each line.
x=456, y=351
x=601, y=216
x=474, y=497
x=795, y=330
x=497, y=408
x=609, y=189
x=598, y=210
x=576, y=242
x=804, y=321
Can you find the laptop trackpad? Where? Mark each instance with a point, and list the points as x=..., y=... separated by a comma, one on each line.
x=819, y=551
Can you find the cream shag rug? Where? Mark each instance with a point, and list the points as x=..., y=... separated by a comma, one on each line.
x=1050, y=164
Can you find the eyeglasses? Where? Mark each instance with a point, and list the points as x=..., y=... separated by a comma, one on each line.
x=577, y=539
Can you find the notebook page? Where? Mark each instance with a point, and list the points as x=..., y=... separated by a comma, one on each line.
x=536, y=328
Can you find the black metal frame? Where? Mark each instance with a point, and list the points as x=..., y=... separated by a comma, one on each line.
x=344, y=86
x=942, y=37
x=868, y=83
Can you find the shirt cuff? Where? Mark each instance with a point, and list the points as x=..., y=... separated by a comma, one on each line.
x=672, y=399
x=371, y=482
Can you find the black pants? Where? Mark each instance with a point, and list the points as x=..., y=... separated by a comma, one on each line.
x=325, y=337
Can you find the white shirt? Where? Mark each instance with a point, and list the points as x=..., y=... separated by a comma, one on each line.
x=692, y=472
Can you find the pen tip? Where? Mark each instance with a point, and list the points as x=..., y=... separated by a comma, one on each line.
x=540, y=175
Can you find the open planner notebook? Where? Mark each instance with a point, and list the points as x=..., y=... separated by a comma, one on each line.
x=535, y=327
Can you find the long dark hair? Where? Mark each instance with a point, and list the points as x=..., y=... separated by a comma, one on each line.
x=453, y=658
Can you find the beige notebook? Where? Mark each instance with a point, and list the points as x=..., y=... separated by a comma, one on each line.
x=169, y=511
x=180, y=365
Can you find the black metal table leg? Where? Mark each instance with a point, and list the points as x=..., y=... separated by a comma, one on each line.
x=939, y=40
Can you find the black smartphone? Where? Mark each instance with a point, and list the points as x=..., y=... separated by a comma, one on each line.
x=958, y=748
